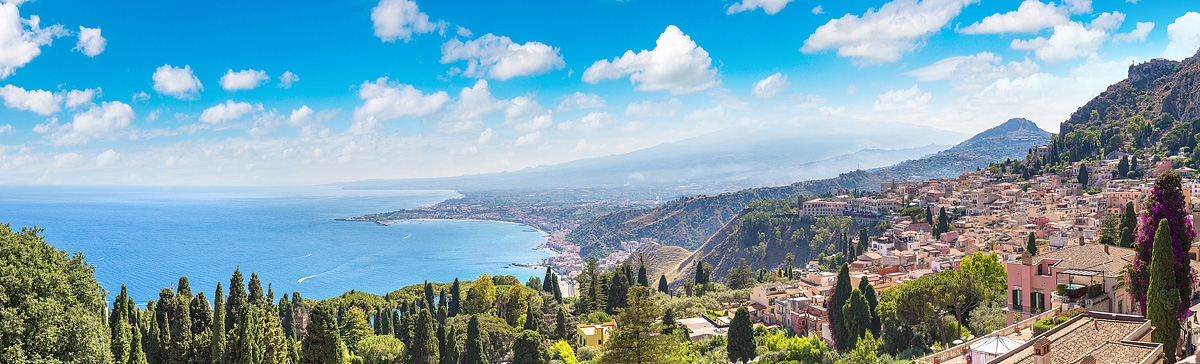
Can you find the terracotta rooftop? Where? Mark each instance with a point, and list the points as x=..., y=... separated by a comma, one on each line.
x=1104, y=339
x=1091, y=257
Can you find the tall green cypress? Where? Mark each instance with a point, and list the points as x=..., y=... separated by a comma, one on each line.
x=618, y=289
x=450, y=355
x=1031, y=245
x=1163, y=295
x=180, y=349
x=560, y=325
x=527, y=348
x=200, y=351
x=217, y=344
x=741, y=337
x=136, y=354
x=287, y=317
x=548, y=281
x=119, y=336
x=868, y=293
x=297, y=304
x=662, y=284
x=841, y=293
x=237, y=297
x=857, y=318
x=557, y=289
x=424, y=349
x=322, y=343
x=248, y=348
x=255, y=296
x=455, y=298
x=533, y=319
x=150, y=343
x=641, y=274
x=1128, y=225
x=429, y=296
x=474, y=352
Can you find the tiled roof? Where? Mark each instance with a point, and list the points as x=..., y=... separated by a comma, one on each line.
x=1091, y=257
x=1084, y=336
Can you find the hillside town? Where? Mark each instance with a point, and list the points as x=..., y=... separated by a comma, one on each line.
x=1073, y=270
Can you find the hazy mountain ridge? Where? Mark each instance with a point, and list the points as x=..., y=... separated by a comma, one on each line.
x=691, y=221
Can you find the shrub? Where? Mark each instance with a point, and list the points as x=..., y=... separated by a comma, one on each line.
x=1061, y=289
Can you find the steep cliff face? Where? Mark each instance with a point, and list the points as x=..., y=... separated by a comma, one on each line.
x=1158, y=89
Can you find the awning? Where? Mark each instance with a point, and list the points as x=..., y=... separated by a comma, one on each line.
x=1081, y=272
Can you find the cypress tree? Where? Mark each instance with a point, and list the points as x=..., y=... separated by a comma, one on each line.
x=136, y=354
x=533, y=319
x=868, y=293
x=474, y=352
x=617, y=292
x=1083, y=175
x=217, y=344
x=424, y=349
x=255, y=296
x=152, y=343
x=1031, y=245
x=450, y=355
x=864, y=239
x=668, y=322
x=248, y=348
x=321, y=343
x=119, y=336
x=1128, y=225
x=1164, y=297
x=397, y=325
x=560, y=325
x=548, y=281
x=741, y=337
x=662, y=284
x=297, y=303
x=286, y=317
x=557, y=289
x=1123, y=167
x=455, y=299
x=857, y=318
x=929, y=216
x=200, y=351
x=641, y=273
x=441, y=339
x=237, y=297
x=428, y=296
x=841, y=293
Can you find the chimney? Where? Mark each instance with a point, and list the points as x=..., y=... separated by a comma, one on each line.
x=1105, y=248
x=1026, y=259
x=1041, y=351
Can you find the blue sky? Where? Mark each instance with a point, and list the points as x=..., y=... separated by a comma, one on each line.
x=167, y=93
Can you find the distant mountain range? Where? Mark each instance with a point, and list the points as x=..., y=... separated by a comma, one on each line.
x=769, y=155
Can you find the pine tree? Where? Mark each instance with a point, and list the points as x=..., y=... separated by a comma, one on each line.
x=217, y=344
x=636, y=339
x=868, y=293
x=662, y=284
x=321, y=343
x=454, y=307
x=474, y=352
x=857, y=315
x=1166, y=202
x=741, y=337
x=1164, y=297
x=1031, y=245
x=355, y=327
x=841, y=293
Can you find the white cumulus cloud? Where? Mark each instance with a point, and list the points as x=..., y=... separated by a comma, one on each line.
x=498, y=57
x=1071, y=40
x=384, y=100
x=676, y=64
x=90, y=43
x=590, y=122
x=474, y=103
x=530, y=138
x=98, y=121
x=177, y=82
x=580, y=101
x=771, y=87
x=399, y=20
x=1183, y=36
x=287, y=79
x=1137, y=35
x=21, y=40
x=769, y=6
x=41, y=102
x=1031, y=16
x=107, y=158
x=243, y=80
x=883, y=35
x=524, y=114
x=227, y=111
x=77, y=98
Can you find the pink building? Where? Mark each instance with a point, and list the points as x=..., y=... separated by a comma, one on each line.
x=1089, y=274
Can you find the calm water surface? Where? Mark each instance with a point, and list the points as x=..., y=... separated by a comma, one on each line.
x=147, y=237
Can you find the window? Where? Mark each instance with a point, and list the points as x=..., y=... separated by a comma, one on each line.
x=1016, y=299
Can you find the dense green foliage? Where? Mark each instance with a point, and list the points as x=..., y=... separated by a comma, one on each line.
x=741, y=337
x=1163, y=295
x=836, y=306
x=51, y=307
x=637, y=339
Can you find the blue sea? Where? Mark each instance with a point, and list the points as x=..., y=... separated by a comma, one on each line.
x=147, y=237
